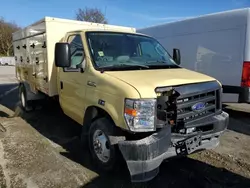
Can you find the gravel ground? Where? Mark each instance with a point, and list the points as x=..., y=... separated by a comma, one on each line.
x=32, y=161
x=42, y=149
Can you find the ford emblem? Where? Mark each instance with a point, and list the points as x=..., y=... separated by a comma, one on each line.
x=198, y=106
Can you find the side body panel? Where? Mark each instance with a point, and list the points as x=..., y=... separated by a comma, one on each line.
x=30, y=54
x=247, y=40
x=212, y=44
x=39, y=62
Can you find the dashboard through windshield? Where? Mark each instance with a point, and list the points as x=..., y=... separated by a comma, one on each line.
x=120, y=51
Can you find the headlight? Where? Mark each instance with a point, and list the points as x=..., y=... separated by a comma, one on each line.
x=140, y=114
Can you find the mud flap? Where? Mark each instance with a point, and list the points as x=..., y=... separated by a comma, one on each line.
x=143, y=157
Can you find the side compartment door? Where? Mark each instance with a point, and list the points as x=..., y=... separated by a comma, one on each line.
x=23, y=59
x=30, y=63
x=18, y=69
x=39, y=60
x=72, y=87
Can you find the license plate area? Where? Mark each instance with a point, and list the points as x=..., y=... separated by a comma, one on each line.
x=188, y=145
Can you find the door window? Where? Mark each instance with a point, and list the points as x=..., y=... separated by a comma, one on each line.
x=76, y=49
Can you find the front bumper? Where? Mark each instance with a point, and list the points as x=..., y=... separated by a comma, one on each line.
x=143, y=157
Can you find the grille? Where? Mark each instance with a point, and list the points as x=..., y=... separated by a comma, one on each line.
x=186, y=114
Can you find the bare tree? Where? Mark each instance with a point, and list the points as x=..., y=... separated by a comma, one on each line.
x=6, y=30
x=91, y=15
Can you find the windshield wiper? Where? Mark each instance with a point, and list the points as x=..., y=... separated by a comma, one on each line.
x=124, y=65
x=157, y=61
x=162, y=63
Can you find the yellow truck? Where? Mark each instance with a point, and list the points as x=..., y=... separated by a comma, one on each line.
x=132, y=98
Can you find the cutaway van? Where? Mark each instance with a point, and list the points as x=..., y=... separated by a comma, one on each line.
x=131, y=97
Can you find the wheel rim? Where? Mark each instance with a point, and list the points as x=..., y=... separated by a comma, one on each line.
x=101, y=146
x=22, y=99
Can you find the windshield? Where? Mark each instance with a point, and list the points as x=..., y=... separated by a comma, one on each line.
x=119, y=51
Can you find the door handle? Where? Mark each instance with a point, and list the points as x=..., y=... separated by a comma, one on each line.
x=37, y=60
x=92, y=84
x=61, y=83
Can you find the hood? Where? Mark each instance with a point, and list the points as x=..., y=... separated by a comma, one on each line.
x=145, y=81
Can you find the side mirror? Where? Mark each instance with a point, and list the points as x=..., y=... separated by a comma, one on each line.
x=62, y=55
x=177, y=56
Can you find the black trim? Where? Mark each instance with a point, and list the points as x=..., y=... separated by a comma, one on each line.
x=61, y=84
x=196, y=88
x=37, y=60
x=244, y=92
x=44, y=44
x=205, y=92
x=70, y=69
x=32, y=45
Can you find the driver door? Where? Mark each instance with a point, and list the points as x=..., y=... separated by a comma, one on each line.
x=72, y=85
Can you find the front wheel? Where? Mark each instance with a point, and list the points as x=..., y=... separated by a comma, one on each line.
x=103, y=153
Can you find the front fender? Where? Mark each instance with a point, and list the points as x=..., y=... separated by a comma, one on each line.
x=109, y=94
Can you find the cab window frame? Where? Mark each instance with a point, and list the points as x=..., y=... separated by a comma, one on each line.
x=88, y=46
x=77, y=69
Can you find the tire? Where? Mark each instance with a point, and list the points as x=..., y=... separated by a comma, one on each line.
x=25, y=104
x=84, y=137
x=102, y=128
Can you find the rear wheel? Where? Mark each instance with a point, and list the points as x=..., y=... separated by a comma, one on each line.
x=25, y=104
x=104, y=154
